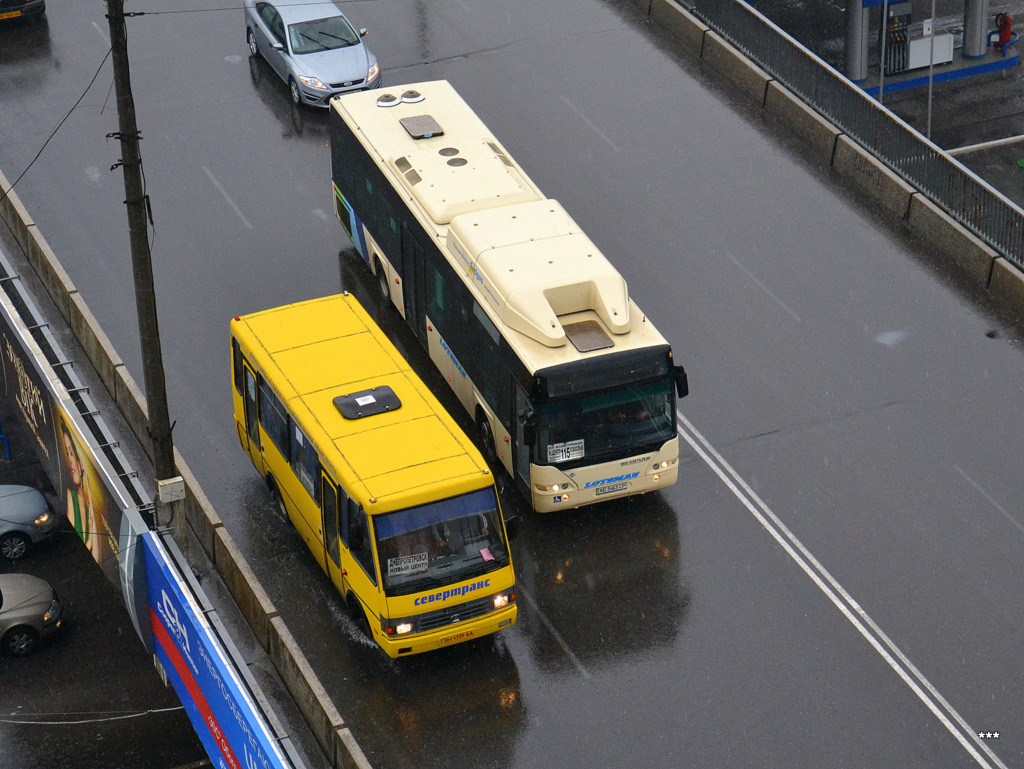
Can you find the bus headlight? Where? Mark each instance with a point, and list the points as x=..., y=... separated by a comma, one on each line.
x=553, y=488
x=503, y=599
x=392, y=627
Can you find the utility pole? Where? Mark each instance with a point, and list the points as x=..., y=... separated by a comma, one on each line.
x=170, y=485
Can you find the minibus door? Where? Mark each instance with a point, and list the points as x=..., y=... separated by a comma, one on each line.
x=252, y=424
x=332, y=551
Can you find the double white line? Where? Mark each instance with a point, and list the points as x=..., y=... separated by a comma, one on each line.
x=866, y=626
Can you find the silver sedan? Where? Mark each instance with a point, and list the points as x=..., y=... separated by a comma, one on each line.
x=312, y=47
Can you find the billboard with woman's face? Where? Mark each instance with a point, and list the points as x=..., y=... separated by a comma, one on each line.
x=38, y=414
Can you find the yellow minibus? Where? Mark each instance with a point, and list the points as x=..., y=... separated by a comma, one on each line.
x=394, y=501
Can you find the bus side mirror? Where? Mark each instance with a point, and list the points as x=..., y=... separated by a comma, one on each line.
x=682, y=385
x=512, y=527
x=528, y=420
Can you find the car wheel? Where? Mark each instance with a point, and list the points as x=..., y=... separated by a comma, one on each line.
x=293, y=89
x=13, y=545
x=382, y=281
x=253, y=48
x=20, y=641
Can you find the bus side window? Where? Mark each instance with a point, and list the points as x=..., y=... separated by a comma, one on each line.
x=360, y=544
x=305, y=463
x=274, y=418
x=236, y=357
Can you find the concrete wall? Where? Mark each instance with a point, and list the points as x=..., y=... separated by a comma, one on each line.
x=269, y=629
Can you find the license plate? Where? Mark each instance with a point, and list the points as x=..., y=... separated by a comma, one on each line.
x=456, y=638
x=10, y=15
x=612, y=488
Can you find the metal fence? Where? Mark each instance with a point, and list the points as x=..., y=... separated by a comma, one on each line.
x=967, y=198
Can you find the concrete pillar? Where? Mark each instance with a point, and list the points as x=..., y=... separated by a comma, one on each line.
x=856, y=64
x=976, y=14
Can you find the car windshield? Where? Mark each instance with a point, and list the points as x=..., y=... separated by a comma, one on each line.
x=620, y=422
x=440, y=543
x=321, y=35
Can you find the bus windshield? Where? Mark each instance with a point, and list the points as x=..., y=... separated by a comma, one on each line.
x=440, y=543
x=606, y=425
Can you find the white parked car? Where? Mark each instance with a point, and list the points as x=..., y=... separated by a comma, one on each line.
x=25, y=519
x=29, y=612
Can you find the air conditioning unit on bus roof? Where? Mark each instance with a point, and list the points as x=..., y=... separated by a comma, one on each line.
x=533, y=265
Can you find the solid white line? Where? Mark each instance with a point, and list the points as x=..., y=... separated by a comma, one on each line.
x=226, y=197
x=989, y=499
x=764, y=288
x=555, y=633
x=584, y=119
x=847, y=605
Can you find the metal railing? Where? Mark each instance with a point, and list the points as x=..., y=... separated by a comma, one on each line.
x=958, y=191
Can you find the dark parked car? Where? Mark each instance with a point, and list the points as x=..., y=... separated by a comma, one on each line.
x=312, y=47
x=15, y=9
x=29, y=612
x=25, y=518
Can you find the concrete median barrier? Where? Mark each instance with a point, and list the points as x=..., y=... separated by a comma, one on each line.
x=720, y=57
x=1007, y=286
x=950, y=240
x=863, y=172
x=818, y=135
x=685, y=28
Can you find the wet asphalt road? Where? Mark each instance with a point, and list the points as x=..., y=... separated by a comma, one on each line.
x=833, y=581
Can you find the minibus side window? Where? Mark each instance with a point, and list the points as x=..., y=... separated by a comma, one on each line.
x=273, y=417
x=236, y=356
x=360, y=541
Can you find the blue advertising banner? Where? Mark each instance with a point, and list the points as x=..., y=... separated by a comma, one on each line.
x=223, y=713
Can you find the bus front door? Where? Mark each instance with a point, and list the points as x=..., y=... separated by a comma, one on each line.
x=252, y=423
x=332, y=552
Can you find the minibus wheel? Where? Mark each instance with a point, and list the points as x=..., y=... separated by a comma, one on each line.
x=279, y=501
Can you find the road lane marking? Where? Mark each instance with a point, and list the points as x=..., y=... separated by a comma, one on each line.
x=226, y=197
x=551, y=629
x=763, y=287
x=872, y=633
x=989, y=499
x=584, y=119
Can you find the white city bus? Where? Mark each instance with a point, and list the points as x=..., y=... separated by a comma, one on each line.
x=571, y=387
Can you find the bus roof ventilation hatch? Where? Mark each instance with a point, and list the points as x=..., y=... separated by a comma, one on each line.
x=367, y=403
x=421, y=127
x=587, y=336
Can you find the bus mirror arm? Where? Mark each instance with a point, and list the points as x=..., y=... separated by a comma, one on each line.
x=682, y=385
x=512, y=527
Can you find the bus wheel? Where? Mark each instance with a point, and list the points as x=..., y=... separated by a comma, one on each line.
x=279, y=502
x=355, y=611
x=487, y=438
x=382, y=281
